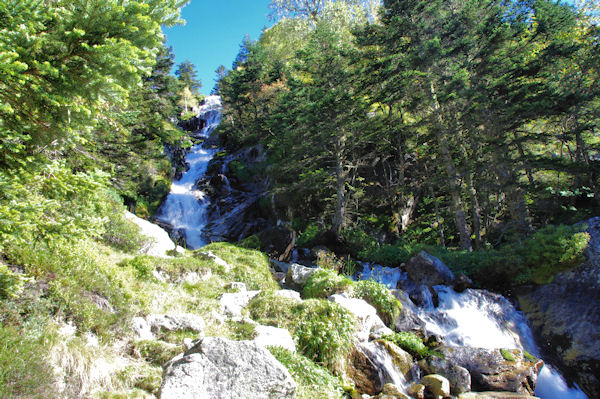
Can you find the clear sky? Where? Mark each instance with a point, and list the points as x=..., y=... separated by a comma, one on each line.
x=213, y=33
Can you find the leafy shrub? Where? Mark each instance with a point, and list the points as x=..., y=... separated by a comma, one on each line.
x=123, y=234
x=324, y=282
x=409, y=342
x=11, y=283
x=380, y=297
x=308, y=236
x=252, y=242
x=240, y=170
x=324, y=332
x=313, y=381
x=142, y=265
x=272, y=310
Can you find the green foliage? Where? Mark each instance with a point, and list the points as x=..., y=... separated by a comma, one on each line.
x=142, y=265
x=123, y=234
x=24, y=360
x=323, y=283
x=252, y=242
x=308, y=235
x=11, y=283
x=240, y=170
x=507, y=355
x=380, y=297
x=324, y=332
x=410, y=342
x=313, y=381
x=157, y=353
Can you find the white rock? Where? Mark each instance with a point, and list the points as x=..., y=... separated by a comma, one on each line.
x=273, y=336
x=216, y=368
x=141, y=329
x=175, y=322
x=288, y=294
x=160, y=276
x=233, y=303
x=297, y=275
x=366, y=315
x=160, y=243
x=217, y=260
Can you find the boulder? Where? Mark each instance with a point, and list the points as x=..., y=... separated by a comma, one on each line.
x=297, y=275
x=366, y=315
x=364, y=373
x=279, y=266
x=459, y=377
x=436, y=385
x=496, y=369
x=291, y=294
x=273, y=336
x=159, y=242
x=407, y=320
x=217, y=368
x=426, y=269
x=565, y=314
x=416, y=390
x=233, y=303
x=175, y=322
x=393, y=391
x=461, y=283
x=402, y=359
x=495, y=395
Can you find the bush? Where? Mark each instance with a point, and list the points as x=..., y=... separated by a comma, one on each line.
x=252, y=242
x=123, y=234
x=409, y=342
x=308, y=236
x=11, y=284
x=324, y=282
x=380, y=297
x=324, y=332
x=313, y=381
x=272, y=310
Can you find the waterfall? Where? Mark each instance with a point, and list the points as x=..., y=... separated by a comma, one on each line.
x=479, y=319
x=185, y=206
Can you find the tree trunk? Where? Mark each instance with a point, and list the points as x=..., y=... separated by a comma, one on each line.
x=453, y=181
x=340, y=183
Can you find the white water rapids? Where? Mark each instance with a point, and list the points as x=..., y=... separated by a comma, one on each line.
x=185, y=206
x=479, y=319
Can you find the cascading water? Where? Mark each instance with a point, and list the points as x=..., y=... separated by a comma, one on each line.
x=479, y=319
x=185, y=206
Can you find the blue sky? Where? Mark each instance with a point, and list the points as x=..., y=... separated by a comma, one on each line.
x=213, y=33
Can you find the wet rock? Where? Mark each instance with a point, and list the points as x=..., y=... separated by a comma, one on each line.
x=364, y=373
x=459, y=377
x=416, y=390
x=393, y=391
x=461, y=283
x=566, y=315
x=366, y=315
x=278, y=242
x=233, y=303
x=221, y=369
x=495, y=369
x=402, y=359
x=273, y=336
x=436, y=385
x=279, y=266
x=297, y=275
x=495, y=395
x=426, y=269
x=407, y=320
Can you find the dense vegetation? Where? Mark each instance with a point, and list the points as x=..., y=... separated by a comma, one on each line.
x=456, y=124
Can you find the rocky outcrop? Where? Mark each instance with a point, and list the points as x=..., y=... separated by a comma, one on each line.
x=159, y=243
x=217, y=368
x=565, y=314
x=147, y=328
x=496, y=369
x=458, y=377
x=426, y=269
x=363, y=372
x=369, y=324
x=297, y=275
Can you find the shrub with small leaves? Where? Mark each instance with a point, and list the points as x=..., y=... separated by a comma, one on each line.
x=380, y=297
x=409, y=342
x=324, y=282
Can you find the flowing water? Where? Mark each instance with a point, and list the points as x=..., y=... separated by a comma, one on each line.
x=479, y=319
x=185, y=206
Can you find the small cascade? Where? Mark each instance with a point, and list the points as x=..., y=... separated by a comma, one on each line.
x=185, y=206
x=388, y=371
x=478, y=319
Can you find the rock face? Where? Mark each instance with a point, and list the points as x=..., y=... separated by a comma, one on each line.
x=426, y=269
x=159, y=241
x=566, y=315
x=495, y=369
x=458, y=377
x=364, y=373
x=221, y=369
